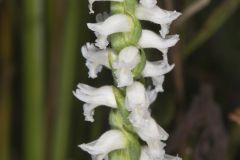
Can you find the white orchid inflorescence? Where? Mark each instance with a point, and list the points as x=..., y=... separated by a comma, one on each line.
x=130, y=117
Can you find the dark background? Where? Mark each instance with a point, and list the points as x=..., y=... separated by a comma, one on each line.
x=41, y=63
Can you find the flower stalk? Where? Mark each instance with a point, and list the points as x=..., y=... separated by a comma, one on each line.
x=129, y=98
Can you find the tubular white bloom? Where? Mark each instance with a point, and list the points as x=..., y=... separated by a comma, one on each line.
x=109, y=141
x=95, y=59
x=94, y=97
x=136, y=96
x=150, y=39
x=148, y=3
x=92, y=1
x=157, y=68
x=145, y=124
x=158, y=16
x=128, y=59
x=147, y=154
x=113, y=24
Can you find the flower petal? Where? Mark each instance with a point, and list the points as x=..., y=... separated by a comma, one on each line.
x=96, y=58
x=150, y=39
x=152, y=153
x=113, y=24
x=157, y=68
x=109, y=141
x=146, y=127
x=158, y=16
x=98, y=96
x=89, y=111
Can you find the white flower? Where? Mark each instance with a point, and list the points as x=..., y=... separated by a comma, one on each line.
x=109, y=141
x=145, y=126
x=92, y=1
x=156, y=70
x=158, y=16
x=127, y=60
x=148, y=3
x=113, y=24
x=94, y=97
x=146, y=153
x=136, y=96
x=150, y=39
x=96, y=58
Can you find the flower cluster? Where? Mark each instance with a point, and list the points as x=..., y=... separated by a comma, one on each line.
x=129, y=97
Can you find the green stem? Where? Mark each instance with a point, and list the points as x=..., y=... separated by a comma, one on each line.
x=70, y=48
x=119, y=117
x=33, y=81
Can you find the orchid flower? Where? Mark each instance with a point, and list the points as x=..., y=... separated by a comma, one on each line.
x=113, y=24
x=125, y=65
x=157, y=15
x=109, y=141
x=156, y=70
x=96, y=58
x=136, y=96
x=146, y=155
x=150, y=39
x=94, y=97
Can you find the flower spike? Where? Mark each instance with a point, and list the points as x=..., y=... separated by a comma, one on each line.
x=130, y=97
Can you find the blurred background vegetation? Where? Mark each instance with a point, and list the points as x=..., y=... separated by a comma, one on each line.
x=41, y=63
